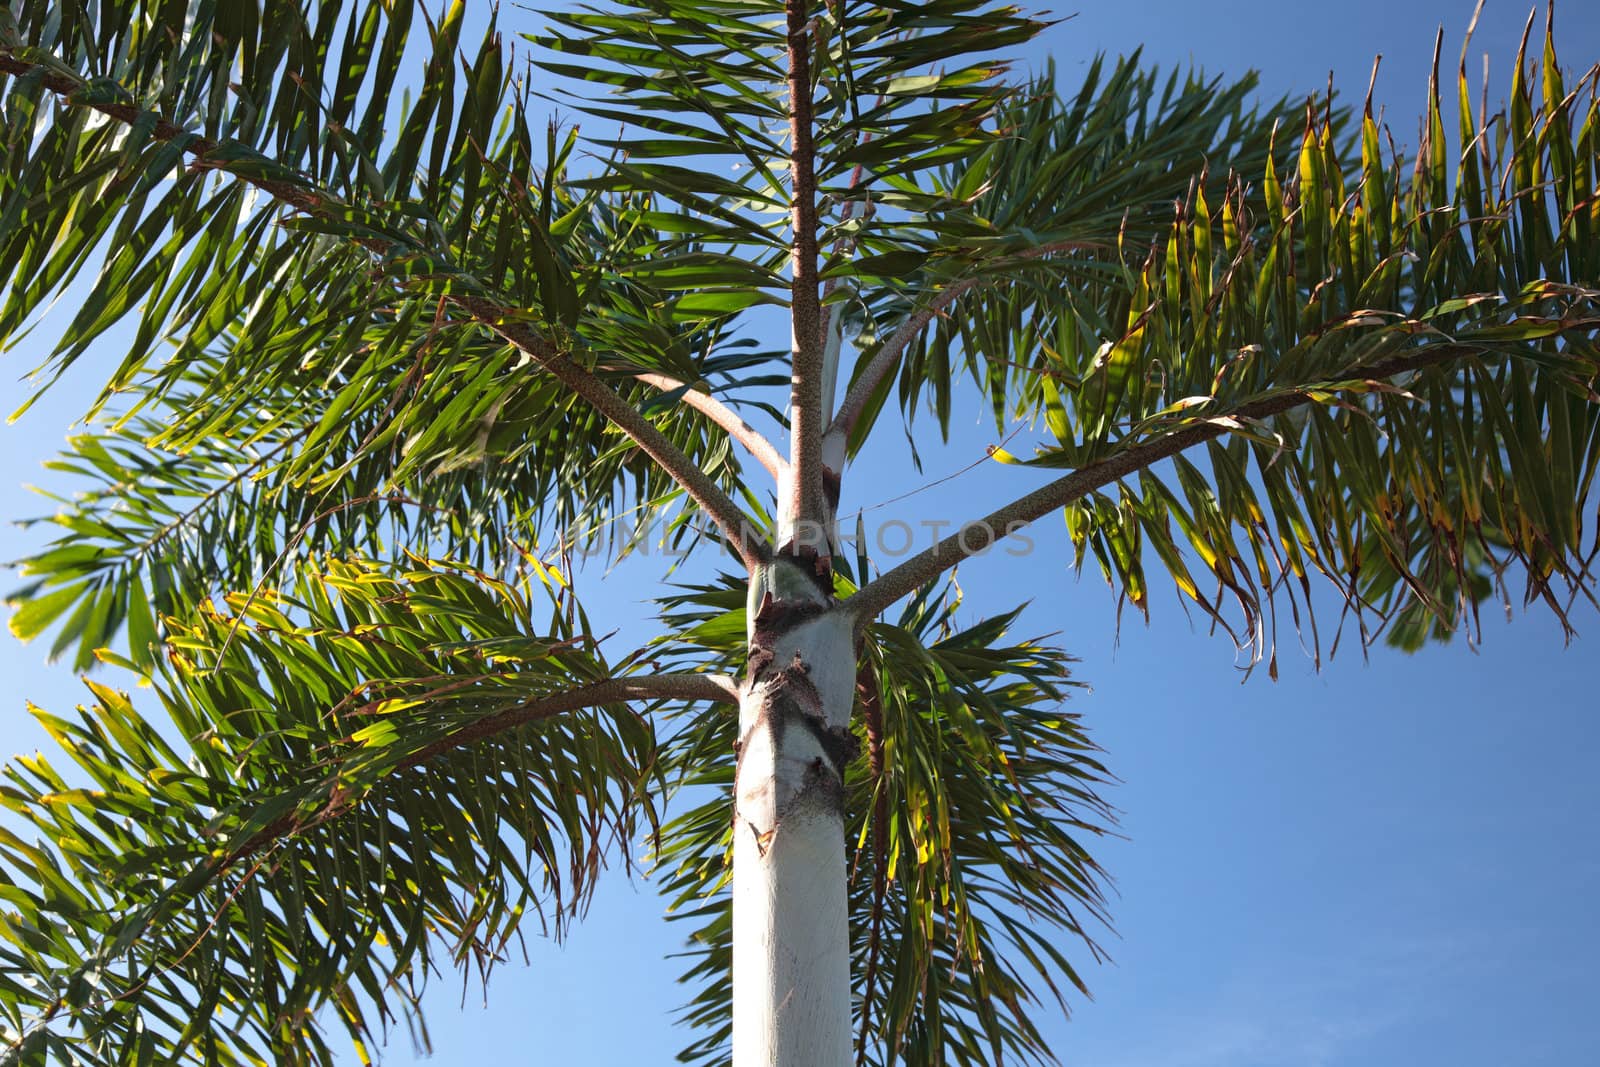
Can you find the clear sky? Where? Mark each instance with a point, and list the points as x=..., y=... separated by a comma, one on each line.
x=1387, y=863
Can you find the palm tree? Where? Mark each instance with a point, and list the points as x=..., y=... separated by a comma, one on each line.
x=393, y=363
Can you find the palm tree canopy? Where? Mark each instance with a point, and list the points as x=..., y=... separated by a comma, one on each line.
x=393, y=358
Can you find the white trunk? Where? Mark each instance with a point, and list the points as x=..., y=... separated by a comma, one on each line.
x=791, y=958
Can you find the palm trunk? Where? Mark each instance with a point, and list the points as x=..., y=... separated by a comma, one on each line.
x=791, y=958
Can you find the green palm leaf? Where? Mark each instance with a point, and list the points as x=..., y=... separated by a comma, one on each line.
x=1385, y=369
x=967, y=815
x=383, y=770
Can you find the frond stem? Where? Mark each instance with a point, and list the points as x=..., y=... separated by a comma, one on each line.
x=805, y=309
x=832, y=325
x=704, y=491
x=887, y=359
x=764, y=451
x=978, y=535
x=708, y=687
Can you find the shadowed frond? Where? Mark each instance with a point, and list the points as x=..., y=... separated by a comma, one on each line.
x=966, y=815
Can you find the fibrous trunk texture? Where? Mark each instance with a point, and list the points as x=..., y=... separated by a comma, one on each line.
x=791, y=958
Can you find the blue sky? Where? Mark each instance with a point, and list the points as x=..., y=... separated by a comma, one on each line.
x=1389, y=862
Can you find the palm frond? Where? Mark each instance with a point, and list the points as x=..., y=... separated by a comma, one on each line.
x=1385, y=369
x=385, y=769
x=968, y=817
